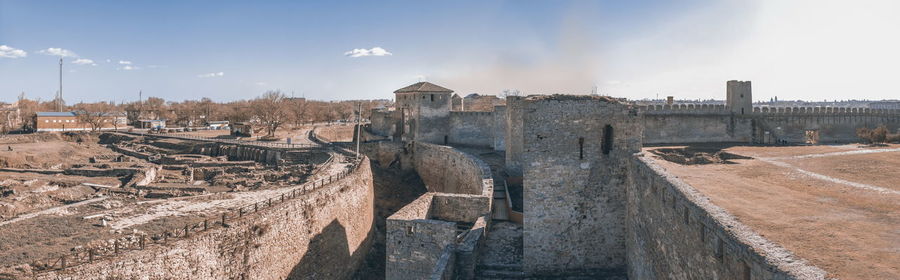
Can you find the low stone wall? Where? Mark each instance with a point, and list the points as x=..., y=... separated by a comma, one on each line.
x=420, y=234
x=448, y=170
x=675, y=232
x=322, y=234
x=414, y=241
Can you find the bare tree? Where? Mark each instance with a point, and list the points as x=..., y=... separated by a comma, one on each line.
x=299, y=110
x=510, y=92
x=95, y=114
x=272, y=110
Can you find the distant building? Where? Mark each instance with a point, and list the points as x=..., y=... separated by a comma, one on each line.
x=217, y=124
x=69, y=121
x=481, y=103
x=151, y=124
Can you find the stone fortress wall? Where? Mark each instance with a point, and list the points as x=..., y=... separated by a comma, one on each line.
x=472, y=128
x=317, y=231
x=448, y=222
x=673, y=231
x=605, y=210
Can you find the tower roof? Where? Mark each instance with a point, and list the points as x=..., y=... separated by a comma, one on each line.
x=423, y=87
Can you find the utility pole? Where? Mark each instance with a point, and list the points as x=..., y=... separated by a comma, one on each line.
x=60, y=94
x=358, y=125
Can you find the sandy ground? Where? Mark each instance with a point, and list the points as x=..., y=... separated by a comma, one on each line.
x=53, y=154
x=811, y=200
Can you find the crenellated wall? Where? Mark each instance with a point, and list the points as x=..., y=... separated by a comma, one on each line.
x=830, y=125
x=324, y=233
x=698, y=123
x=675, y=232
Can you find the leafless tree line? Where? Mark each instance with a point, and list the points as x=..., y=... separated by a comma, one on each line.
x=271, y=110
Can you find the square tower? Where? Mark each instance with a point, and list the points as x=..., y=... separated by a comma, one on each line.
x=738, y=97
x=575, y=154
x=424, y=110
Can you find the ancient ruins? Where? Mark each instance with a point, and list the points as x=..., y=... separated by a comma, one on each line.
x=545, y=186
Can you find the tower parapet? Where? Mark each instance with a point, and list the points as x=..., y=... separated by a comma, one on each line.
x=739, y=99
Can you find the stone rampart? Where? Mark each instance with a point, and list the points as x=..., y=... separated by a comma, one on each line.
x=471, y=128
x=675, y=232
x=698, y=123
x=318, y=232
x=694, y=127
x=448, y=170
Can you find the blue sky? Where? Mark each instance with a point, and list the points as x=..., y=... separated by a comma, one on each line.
x=637, y=49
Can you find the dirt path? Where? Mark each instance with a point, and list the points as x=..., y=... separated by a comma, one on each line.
x=54, y=210
x=832, y=179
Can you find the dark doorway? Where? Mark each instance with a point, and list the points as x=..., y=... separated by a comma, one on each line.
x=607, y=139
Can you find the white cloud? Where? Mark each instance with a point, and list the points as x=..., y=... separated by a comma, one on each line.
x=129, y=67
x=10, y=52
x=108, y=60
x=58, y=52
x=376, y=51
x=211, y=75
x=83, y=61
x=262, y=84
x=124, y=62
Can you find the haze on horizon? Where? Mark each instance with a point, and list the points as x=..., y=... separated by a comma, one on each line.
x=810, y=50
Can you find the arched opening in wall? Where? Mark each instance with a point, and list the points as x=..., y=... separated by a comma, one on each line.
x=432, y=97
x=446, y=140
x=606, y=143
x=742, y=111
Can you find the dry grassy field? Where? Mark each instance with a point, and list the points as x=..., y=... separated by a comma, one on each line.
x=836, y=206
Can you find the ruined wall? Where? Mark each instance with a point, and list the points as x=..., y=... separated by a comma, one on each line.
x=675, y=232
x=514, y=135
x=574, y=191
x=414, y=241
x=471, y=128
x=424, y=240
x=448, y=170
x=322, y=234
x=500, y=125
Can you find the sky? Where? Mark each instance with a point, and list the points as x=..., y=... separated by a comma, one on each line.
x=337, y=50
